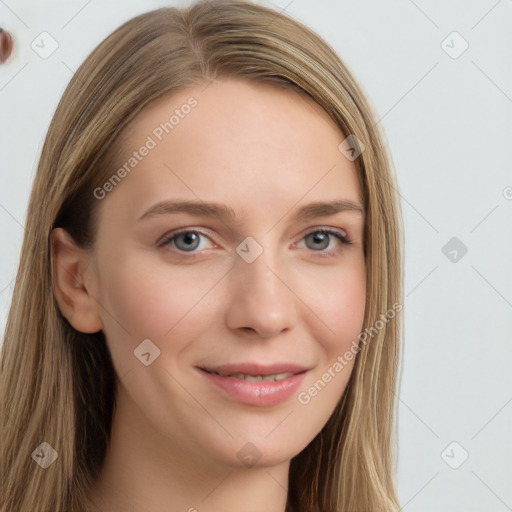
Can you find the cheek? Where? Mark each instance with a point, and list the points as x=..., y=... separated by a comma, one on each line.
x=337, y=297
x=345, y=305
x=148, y=298
x=153, y=301
x=338, y=301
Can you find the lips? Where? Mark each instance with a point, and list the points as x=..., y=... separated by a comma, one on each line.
x=255, y=384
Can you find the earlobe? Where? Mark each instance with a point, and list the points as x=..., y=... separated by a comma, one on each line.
x=69, y=263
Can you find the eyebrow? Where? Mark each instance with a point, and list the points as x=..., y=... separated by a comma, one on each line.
x=227, y=214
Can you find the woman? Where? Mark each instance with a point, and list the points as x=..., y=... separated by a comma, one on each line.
x=177, y=338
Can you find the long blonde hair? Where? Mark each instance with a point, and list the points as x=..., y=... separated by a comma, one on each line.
x=58, y=386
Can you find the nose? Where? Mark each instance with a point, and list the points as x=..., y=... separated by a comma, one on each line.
x=261, y=302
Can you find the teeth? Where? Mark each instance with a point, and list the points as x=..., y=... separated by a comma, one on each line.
x=277, y=376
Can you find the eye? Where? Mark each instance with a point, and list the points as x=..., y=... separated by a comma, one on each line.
x=184, y=241
x=187, y=241
x=320, y=239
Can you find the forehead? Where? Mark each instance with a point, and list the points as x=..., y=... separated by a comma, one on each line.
x=238, y=142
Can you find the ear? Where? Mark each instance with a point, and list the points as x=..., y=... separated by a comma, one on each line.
x=69, y=265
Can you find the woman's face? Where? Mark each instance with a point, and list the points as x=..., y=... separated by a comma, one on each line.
x=255, y=290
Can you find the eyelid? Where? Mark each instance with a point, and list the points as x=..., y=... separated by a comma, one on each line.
x=328, y=229
x=173, y=234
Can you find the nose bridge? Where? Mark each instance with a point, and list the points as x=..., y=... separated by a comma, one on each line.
x=259, y=274
x=260, y=298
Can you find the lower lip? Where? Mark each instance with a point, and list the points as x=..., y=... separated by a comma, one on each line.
x=264, y=393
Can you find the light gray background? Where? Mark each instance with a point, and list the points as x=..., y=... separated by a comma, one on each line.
x=448, y=124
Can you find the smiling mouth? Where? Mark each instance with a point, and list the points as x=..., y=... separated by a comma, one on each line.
x=256, y=371
x=255, y=378
x=255, y=384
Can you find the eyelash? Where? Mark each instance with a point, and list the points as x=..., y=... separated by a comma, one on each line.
x=172, y=236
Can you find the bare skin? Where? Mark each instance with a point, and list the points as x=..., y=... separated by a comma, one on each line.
x=176, y=438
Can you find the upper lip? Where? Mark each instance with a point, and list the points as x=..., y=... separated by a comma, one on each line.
x=256, y=368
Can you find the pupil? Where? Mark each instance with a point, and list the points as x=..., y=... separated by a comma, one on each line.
x=189, y=238
x=319, y=238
